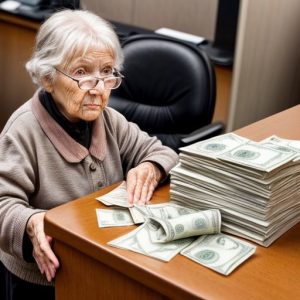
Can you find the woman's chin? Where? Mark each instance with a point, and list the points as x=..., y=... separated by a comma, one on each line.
x=90, y=116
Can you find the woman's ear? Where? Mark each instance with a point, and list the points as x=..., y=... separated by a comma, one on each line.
x=47, y=84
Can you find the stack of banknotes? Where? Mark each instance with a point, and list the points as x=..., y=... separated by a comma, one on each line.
x=168, y=229
x=255, y=185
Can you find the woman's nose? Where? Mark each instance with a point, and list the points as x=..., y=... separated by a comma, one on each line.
x=99, y=88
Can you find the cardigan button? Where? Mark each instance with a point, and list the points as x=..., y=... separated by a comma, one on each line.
x=99, y=183
x=93, y=167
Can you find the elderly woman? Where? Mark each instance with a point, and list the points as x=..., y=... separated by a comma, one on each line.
x=65, y=142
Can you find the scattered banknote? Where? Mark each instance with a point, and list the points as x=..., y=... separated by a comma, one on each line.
x=219, y=252
x=137, y=216
x=165, y=210
x=202, y=222
x=113, y=217
x=140, y=241
x=117, y=196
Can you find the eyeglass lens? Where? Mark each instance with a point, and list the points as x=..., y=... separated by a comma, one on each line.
x=109, y=83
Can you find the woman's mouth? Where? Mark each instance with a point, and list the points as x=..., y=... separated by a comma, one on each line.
x=92, y=106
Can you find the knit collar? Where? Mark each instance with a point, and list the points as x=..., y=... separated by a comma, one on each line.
x=72, y=151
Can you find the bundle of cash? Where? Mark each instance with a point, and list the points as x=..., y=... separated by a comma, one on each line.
x=255, y=185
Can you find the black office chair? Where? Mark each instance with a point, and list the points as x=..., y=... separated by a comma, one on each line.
x=168, y=90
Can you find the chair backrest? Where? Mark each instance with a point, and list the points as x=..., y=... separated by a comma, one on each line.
x=168, y=89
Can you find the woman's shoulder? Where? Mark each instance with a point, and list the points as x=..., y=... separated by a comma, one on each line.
x=113, y=115
x=113, y=118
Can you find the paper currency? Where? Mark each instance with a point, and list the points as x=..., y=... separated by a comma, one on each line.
x=117, y=196
x=282, y=144
x=215, y=146
x=136, y=215
x=275, y=140
x=140, y=241
x=113, y=217
x=220, y=252
x=203, y=222
x=258, y=157
x=255, y=185
x=166, y=210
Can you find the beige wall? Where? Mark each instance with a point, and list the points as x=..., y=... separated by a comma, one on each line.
x=116, y=10
x=192, y=16
x=266, y=76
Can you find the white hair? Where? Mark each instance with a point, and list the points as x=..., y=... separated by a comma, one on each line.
x=68, y=34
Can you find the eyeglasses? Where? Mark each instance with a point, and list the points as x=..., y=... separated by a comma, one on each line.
x=110, y=82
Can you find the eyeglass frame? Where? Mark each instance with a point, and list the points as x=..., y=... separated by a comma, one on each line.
x=92, y=77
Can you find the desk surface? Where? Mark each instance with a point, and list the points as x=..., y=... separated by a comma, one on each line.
x=271, y=273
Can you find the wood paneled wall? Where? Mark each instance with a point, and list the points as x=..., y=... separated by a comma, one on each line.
x=16, y=46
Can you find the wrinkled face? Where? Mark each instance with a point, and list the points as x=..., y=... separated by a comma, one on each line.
x=76, y=104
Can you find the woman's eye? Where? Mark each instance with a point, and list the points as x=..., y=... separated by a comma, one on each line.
x=107, y=71
x=79, y=72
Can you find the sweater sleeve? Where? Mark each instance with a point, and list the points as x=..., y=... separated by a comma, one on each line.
x=136, y=146
x=17, y=182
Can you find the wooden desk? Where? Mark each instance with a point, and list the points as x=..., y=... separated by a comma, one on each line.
x=92, y=270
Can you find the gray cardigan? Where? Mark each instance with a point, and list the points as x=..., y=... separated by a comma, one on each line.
x=41, y=167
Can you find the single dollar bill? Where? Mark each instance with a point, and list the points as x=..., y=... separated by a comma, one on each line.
x=257, y=156
x=219, y=252
x=140, y=241
x=165, y=210
x=117, y=196
x=216, y=145
x=202, y=222
x=113, y=217
x=136, y=215
x=275, y=140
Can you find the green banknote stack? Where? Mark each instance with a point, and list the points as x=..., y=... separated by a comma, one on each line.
x=255, y=185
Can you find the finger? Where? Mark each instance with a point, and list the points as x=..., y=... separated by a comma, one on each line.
x=44, y=248
x=150, y=192
x=39, y=264
x=46, y=260
x=48, y=275
x=46, y=267
x=52, y=270
x=130, y=186
x=52, y=257
x=145, y=189
x=144, y=193
x=138, y=191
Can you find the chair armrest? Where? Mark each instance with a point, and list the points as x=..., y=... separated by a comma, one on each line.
x=203, y=133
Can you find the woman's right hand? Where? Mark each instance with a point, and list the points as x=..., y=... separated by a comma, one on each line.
x=42, y=252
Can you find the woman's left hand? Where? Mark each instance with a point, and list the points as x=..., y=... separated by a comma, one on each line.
x=141, y=182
